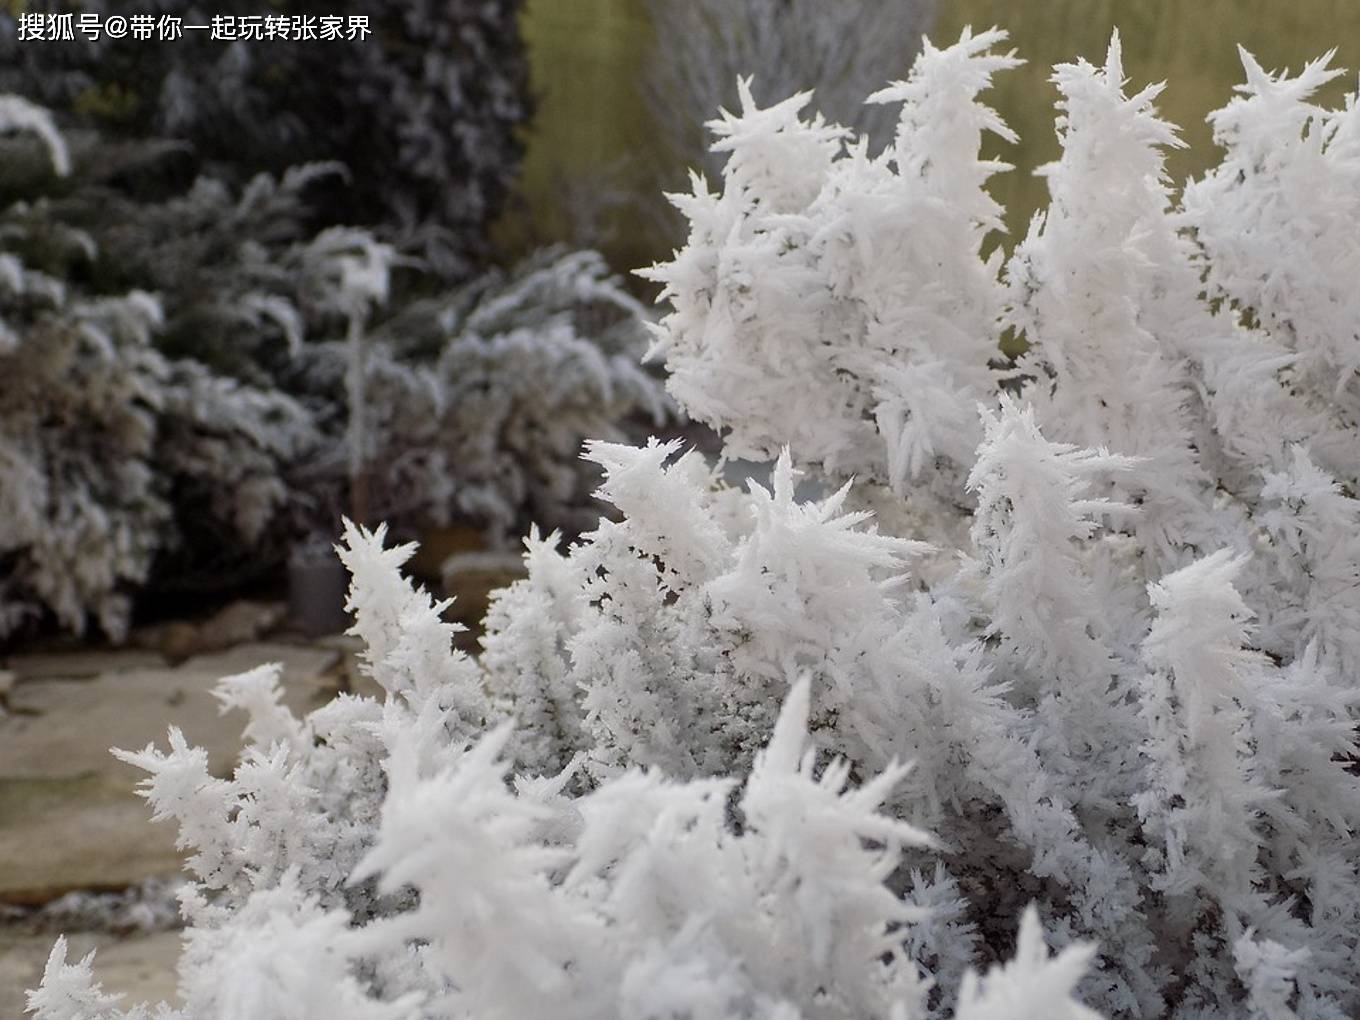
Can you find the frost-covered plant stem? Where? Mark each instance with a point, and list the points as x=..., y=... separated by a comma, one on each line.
x=350, y=275
x=357, y=434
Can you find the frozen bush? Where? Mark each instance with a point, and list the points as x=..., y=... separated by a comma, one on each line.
x=737, y=753
x=524, y=366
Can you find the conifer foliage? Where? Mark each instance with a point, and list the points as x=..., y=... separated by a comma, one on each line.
x=1047, y=710
x=421, y=110
x=182, y=397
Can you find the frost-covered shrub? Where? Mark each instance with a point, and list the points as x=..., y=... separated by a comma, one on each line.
x=836, y=303
x=79, y=389
x=346, y=839
x=1166, y=428
x=477, y=400
x=423, y=111
x=262, y=300
x=226, y=450
x=466, y=402
x=737, y=753
x=1287, y=183
x=110, y=447
x=221, y=299
x=235, y=265
x=528, y=365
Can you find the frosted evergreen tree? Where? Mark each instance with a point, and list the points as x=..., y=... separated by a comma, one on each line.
x=79, y=394
x=254, y=414
x=422, y=110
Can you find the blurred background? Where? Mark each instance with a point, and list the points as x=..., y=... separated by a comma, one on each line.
x=596, y=65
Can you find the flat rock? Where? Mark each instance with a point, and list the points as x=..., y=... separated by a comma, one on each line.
x=237, y=623
x=77, y=832
x=81, y=665
x=62, y=729
x=471, y=578
x=69, y=815
x=142, y=967
x=240, y=622
x=349, y=672
x=438, y=545
x=311, y=665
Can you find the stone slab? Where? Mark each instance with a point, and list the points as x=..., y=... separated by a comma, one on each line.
x=349, y=672
x=58, y=728
x=77, y=832
x=239, y=622
x=69, y=814
x=81, y=665
x=306, y=664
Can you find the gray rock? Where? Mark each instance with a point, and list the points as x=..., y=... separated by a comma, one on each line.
x=350, y=672
x=308, y=665
x=65, y=729
x=62, y=729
